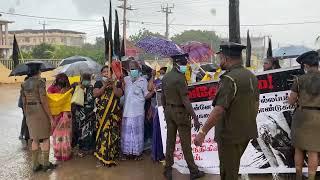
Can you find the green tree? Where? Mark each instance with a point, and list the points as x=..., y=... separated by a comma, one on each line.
x=208, y=37
x=43, y=51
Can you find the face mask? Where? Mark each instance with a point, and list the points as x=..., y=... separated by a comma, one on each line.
x=85, y=83
x=182, y=69
x=161, y=77
x=134, y=73
x=105, y=79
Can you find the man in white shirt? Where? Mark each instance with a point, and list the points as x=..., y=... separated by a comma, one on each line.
x=136, y=93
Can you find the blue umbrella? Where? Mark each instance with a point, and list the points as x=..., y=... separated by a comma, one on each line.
x=290, y=51
x=159, y=46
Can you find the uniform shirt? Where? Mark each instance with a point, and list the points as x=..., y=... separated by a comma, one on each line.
x=238, y=94
x=308, y=86
x=175, y=92
x=135, y=93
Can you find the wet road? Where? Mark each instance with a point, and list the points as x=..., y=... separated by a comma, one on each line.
x=15, y=159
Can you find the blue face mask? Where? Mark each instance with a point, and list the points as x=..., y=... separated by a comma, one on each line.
x=182, y=69
x=134, y=73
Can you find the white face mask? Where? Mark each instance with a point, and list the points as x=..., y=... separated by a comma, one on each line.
x=161, y=77
x=105, y=79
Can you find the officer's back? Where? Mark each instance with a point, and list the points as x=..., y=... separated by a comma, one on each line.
x=172, y=83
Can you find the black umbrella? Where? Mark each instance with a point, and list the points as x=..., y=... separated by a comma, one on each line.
x=15, y=52
x=74, y=59
x=23, y=69
x=248, y=52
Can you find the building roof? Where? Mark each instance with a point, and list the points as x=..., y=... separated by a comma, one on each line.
x=5, y=22
x=47, y=31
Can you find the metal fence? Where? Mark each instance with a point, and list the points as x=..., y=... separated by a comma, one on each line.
x=9, y=63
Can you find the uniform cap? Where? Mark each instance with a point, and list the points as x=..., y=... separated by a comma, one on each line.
x=180, y=58
x=310, y=58
x=231, y=49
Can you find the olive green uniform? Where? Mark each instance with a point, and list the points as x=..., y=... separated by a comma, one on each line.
x=305, y=131
x=238, y=94
x=177, y=111
x=37, y=119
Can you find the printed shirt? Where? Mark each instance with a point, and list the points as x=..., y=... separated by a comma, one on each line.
x=135, y=93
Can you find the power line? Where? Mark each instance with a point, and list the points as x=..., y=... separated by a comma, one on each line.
x=175, y=24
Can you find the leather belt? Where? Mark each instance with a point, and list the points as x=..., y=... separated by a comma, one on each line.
x=176, y=105
x=33, y=103
x=311, y=108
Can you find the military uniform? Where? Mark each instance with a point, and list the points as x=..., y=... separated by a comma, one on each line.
x=306, y=124
x=37, y=119
x=178, y=117
x=238, y=94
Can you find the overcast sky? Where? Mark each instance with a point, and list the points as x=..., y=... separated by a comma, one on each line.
x=187, y=14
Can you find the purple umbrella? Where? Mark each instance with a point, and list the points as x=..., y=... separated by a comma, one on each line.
x=198, y=52
x=159, y=46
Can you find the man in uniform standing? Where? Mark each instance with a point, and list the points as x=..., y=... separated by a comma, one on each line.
x=235, y=110
x=305, y=92
x=178, y=112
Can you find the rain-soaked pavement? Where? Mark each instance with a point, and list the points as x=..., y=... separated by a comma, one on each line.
x=15, y=159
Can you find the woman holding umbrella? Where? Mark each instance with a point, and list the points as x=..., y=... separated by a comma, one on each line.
x=35, y=105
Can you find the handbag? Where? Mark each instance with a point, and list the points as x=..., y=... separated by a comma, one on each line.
x=78, y=96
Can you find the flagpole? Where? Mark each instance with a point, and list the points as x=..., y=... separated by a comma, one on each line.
x=110, y=56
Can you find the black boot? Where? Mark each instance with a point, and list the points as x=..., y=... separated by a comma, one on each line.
x=197, y=175
x=168, y=174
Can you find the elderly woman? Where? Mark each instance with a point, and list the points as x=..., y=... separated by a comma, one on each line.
x=108, y=93
x=62, y=123
x=136, y=93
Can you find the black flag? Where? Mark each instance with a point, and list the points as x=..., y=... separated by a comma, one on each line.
x=15, y=52
x=123, y=49
x=248, y=52
x=106, y=42
x=117, y=49
x=110, y=31
x=269, y=51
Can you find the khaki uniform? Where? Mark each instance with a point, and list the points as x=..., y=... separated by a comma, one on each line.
x=306, y=120
x=239, y=95
x=174, y=94
x=37, y=119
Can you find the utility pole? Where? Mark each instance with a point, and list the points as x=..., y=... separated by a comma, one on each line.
x=43, y=31
x=125, y=7
x=234, y=21
x=167, y=11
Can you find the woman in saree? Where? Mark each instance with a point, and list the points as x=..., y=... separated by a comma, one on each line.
x=108, y=93
x=85, y=119
x=62, y=123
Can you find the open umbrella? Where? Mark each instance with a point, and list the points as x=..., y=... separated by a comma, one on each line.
x=198, y=52
x=78, y=68
x=23, y=69
x=159, y=46
x=290, y=51
x=74, y=59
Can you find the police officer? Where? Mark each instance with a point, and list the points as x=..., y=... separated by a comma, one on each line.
x=178, y=112
x=305, y=92
x=38, y=116
x=235, y=111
